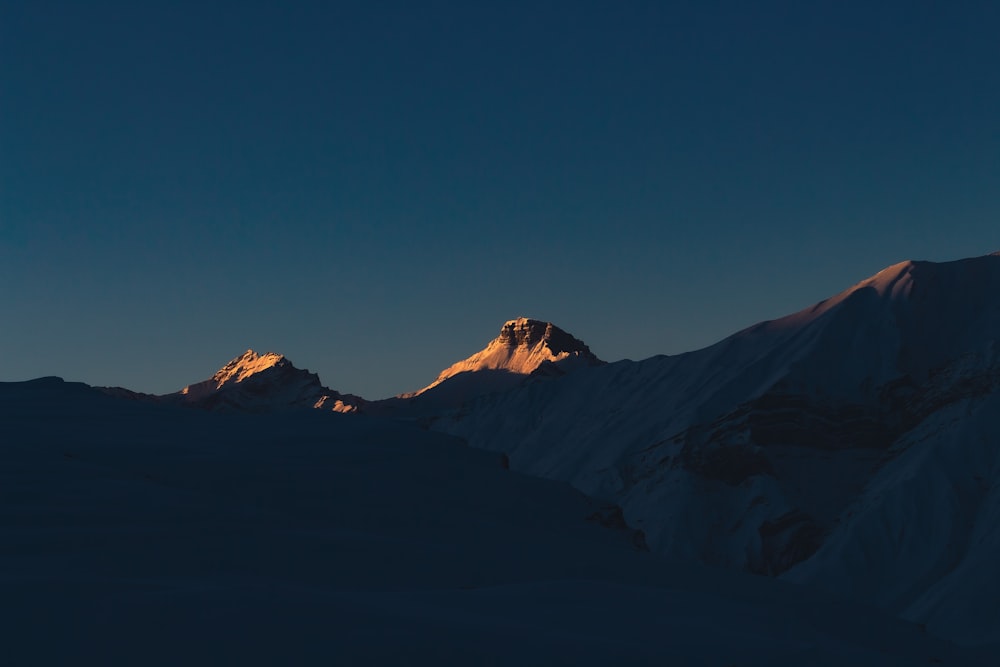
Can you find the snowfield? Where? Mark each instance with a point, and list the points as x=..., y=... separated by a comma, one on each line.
x=853, y=445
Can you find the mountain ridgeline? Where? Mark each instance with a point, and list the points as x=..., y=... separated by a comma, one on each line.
x=852, y=445
x=254, y=382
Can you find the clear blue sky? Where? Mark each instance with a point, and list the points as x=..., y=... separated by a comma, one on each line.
x=372, y=188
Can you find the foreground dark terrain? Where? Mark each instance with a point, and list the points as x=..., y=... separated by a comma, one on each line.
x=147, y=534
x=822, y=489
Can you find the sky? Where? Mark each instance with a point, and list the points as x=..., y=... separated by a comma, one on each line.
x=373, y=188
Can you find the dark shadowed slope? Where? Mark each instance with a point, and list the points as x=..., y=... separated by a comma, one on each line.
x=138, y=533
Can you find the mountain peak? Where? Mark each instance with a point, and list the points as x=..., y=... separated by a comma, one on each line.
x=237, y=370
x=525, y=332
x=247, y=364
x=524, y=346
x=261, y=382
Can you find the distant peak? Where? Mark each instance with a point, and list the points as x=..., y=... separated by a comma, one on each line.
x=248, y=364
x=528, y=333
x=524, y=330
x=251, y=355
x=261, y=382
x=523, y=347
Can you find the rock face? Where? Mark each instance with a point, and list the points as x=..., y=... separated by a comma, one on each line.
x=524, y=347
x=256, y=382
x=852, y=444
x=525, y=351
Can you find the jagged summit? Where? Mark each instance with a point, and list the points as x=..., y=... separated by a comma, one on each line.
x=239, y=369
x=529, y=333
x=263, y=382
x=524, y=346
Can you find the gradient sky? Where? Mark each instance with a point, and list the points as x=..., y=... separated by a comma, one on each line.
x=373, y=188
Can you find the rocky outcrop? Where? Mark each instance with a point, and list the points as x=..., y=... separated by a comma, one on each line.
x=266, y=382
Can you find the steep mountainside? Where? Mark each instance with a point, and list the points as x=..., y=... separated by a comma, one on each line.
x=263, y=382
x=800, y=441
x=524, y=347
x=525, y=350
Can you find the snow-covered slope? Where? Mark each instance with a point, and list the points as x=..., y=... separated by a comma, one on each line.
x=262, y=382
x=524, y=347
x=803, y=437
x=526, y=350
x=923, y=538
x=143, y=533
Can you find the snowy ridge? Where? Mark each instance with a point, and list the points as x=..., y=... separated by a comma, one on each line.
x=524, y=346
x=237, y=370
x=263, y=382
x=794, y=440
x=256, y=382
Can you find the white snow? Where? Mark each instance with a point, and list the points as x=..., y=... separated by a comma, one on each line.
x=799, y=431
x=522, y=347
x=256, y=382
x=237, y=370
x=923, y=539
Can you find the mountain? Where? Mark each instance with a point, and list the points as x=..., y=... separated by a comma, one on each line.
x=256, y=382
x=850, y=445
x=525, y=348
x=144, y=533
